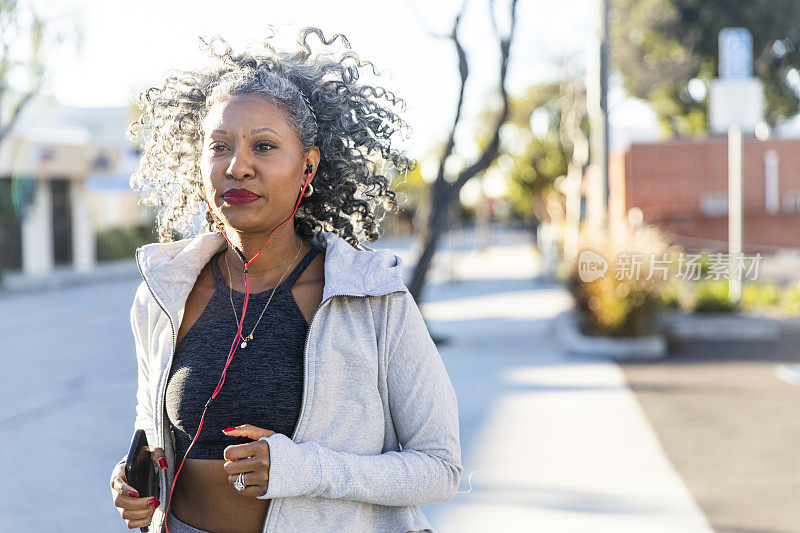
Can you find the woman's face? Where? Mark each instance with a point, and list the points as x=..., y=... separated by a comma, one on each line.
x=248, y=144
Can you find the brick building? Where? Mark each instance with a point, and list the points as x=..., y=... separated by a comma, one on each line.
x=681, y=186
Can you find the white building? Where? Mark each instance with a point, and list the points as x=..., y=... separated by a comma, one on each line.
x=64, y=175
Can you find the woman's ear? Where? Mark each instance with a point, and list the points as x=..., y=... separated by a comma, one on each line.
x=312, y=162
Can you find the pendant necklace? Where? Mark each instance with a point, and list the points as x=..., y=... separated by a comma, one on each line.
x=230, y=295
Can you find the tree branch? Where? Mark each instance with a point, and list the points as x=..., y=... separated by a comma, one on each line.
x=15, y=115
x=443, y=193
x=492, y=150
x=418, y=15
x=440, y=185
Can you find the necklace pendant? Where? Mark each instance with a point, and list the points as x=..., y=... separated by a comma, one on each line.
x=244, y=344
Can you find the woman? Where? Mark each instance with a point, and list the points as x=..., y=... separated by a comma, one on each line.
x=332, y=410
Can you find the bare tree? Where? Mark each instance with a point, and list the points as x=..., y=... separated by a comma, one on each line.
x=445, y=189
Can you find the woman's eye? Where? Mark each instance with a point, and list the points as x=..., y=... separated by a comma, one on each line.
x=264, y=146
x=217, y=147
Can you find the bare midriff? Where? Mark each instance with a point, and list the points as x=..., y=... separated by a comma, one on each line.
x=204, y=498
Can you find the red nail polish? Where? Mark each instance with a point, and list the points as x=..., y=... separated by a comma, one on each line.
x=133, y=494
x=162, y=462
x=229, y=429
x=154, y=502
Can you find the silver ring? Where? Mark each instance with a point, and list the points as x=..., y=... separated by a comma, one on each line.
x=239, y=483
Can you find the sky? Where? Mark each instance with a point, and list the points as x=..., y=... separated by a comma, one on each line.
x=128, y=46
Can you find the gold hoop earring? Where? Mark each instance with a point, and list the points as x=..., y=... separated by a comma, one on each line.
x=309, y=191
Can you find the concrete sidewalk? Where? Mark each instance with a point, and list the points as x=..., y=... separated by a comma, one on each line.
x=14, y=283
x=551, y=443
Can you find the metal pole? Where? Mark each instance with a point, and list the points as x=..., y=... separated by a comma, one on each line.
x=605, y=47
x=734, y=208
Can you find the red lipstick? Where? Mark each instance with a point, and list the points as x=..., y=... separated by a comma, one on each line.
x=240, y=196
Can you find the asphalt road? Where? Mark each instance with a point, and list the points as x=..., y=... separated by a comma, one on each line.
x=730, y=427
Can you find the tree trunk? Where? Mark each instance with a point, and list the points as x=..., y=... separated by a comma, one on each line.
x=444, y=192
x=437, y=223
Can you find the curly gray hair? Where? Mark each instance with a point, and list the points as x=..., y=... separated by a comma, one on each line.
x=323, y=102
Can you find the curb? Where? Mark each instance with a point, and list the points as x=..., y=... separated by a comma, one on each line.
x=645, y=348
x=719, y=327
x=16, y=283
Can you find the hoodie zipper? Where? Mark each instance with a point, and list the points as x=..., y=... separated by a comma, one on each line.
x=303, y=401
x=169, y=317
x=172, y=350
x=305, y=348
x=305, y=378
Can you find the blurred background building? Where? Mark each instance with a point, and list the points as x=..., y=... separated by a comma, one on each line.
x=64, y=174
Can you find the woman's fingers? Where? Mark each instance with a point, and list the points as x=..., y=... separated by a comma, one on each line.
x=253, y=491
x=123, y=501
x=259, y=448
x=135, y=510
x=158, y=457
x=255, y=472
x=138, y=518
x=252, y=459
x=255, y=483
x=254, y=467
x=126, y=497
x=257, y=461
x=137, y=523
x=258, y=477
x=119, y=484
x=249, y=431
x=138, y=514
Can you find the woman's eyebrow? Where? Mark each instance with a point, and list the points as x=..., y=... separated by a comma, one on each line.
x=252, y=132
x=259, y=130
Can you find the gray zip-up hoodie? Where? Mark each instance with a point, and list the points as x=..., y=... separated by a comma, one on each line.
x=378, y=428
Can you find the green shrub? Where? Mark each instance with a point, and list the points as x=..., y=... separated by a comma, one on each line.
x=121, y=243
x=791, y=300
x=760, y=295
x=671, y=296
x=712, y=297
x=705, y=262
x=623, y=307
x=618, y=309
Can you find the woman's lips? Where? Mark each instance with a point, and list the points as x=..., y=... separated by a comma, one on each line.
x=240, y=198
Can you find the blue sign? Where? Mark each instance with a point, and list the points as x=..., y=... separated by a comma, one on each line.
x=735, y=53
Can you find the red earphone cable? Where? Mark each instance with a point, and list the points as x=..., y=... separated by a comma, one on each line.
x=239, y=329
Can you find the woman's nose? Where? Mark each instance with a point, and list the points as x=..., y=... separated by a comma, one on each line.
x=240, y=166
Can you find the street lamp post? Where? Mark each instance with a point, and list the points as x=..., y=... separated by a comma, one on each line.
x=605, y=47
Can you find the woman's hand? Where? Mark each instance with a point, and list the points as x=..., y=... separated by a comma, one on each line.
x=135, y=510
x=251, y=458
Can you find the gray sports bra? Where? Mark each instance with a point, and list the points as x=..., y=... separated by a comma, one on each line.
x=264, y=382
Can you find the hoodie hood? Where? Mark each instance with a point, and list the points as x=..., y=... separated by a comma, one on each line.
x=171, y=269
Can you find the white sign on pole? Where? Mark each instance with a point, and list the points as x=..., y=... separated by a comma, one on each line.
x=737, y=102
x=736, y=98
